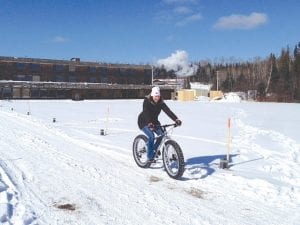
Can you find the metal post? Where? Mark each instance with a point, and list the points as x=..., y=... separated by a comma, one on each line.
x=217, y=80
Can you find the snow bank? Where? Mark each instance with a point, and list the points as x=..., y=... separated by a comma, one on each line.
x=229, y=97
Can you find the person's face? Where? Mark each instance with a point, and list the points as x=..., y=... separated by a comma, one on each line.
x=156, y=98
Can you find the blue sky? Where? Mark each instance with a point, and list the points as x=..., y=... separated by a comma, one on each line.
x=141, y=31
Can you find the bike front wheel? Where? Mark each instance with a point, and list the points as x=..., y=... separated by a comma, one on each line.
x=173, y=159
x=139, y=150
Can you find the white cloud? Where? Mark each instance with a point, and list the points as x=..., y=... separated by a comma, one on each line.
x=59, y=39
x=235, y=21
x=164, y=16
x=169, y=38
x=178, y=12
x=179, y=1
x=179, y=63
x=182, y=10
x=189, y=19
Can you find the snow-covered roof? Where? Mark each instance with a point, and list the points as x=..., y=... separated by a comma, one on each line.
x=197, y=85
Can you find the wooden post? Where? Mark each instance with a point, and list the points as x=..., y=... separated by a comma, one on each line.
x=228, y=144
x=107, y=120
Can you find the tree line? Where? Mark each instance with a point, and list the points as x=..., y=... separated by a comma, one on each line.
x=273, y=78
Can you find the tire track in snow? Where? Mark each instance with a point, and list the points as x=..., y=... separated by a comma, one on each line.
x=148, y=201
x=35, y=143
x=11, y=209
x=156, y=198
x=8, y=197
x=278, y=152
x=48, y=132
x=41, y=140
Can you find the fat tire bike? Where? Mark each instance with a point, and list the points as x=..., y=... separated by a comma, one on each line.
x=168, y=150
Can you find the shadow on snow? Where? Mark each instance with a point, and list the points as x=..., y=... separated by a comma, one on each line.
x=203, y=166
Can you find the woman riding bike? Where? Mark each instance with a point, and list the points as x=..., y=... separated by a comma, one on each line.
x=148, y=120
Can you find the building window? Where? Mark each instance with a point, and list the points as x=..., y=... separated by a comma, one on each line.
x=93, y=80
x=103, y=79
x=72, y=78
x=6, y=92
x=28, y=78
x=35, y=93
x=93, y=69
x=103, y=71
x=59, y=68
x=60, y=78
x=35, y=67
x=21, y=66
x=20, y=78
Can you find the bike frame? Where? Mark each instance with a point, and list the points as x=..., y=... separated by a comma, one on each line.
x=165, y=136
x=172, y=158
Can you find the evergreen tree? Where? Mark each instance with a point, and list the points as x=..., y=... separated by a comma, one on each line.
x=274, y=77
x=261, y=87
x=227, y=85
x=241, y=83
x=278, y=75
x=296, y=70
x=284, y=65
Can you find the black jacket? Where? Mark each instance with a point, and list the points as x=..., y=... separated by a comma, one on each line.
x=151, y=110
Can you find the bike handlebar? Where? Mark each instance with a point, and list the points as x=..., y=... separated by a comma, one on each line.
x=167, y=125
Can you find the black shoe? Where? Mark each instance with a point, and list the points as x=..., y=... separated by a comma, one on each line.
x=157, y=154
x=151, y=161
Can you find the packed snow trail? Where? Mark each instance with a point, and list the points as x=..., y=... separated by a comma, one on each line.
x=50, y=168
x=65, y=173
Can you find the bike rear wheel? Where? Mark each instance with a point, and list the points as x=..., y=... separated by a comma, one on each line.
x=139, y=150
x=173, y=159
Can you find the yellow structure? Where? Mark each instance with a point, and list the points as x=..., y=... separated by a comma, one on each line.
x=186, y=95
x=215, y=95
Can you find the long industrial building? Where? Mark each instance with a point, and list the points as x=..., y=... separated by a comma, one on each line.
x=73, y=79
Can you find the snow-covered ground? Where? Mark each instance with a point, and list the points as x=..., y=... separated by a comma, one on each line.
x=67, y=173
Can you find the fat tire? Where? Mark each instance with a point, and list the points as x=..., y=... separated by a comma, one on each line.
x=181, y=164
x=137, y=139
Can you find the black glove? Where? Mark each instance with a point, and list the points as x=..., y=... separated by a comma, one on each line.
x=151, y=126
x=178, y=122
